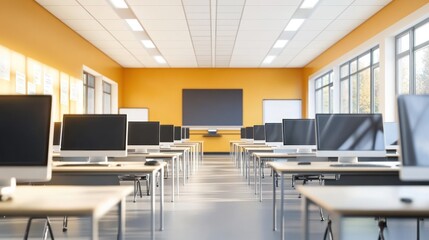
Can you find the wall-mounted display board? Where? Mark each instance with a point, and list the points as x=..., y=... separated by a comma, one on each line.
x=274, y=110
x=135, y=114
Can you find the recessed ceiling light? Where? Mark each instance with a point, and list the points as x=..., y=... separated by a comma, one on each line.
x=268, y=59
x=294, y=24
x=148, y=44
x=160, y=59
x=309, y=3
x=134, y=24
x=280, y=43
x=119, y=3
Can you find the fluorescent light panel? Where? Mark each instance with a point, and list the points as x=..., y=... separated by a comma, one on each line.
x=135, y=25
x=268, y=59
x=309, y=3
x=294, y=24
x=160, y=59
x=119, y=3
x=280, y=43
x=148, y=44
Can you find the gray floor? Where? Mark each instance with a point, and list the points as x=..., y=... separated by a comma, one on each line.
x=215, y=204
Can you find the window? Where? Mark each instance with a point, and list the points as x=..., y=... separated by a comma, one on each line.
x=324, y=93
x=89, y=92
x=360, y=83
x=412, y=60
x=107, y=98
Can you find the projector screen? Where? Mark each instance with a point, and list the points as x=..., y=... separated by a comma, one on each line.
x=212, y=107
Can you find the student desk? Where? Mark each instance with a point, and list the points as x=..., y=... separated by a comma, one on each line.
x=248, y=155
x=364, y=201
x=185, y=153
x=107, y=174
x=172, y=157
x=195, y=153
x=317, y=168
x=83, y=201
x=241, y=149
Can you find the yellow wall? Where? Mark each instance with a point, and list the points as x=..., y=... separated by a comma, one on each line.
x=161, y=91
x=386, y=17
x=29, y=29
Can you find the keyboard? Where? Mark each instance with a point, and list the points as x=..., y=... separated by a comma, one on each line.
x=358, y=165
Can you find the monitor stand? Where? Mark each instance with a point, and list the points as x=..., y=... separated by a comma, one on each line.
x=141, y=150
x=348, y=159
x=303, y=150
x=98, y=159
x=7, y=188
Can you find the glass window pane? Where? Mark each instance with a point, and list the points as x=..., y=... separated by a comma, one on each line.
x=318, y=82
x=107, y=87
x=90, y=101
x=403, y=43
x=365, y=91
x=344, y=72
x=377, y=90
x=106, y=103
x=403, y=75
x=91, y=80
x=325, y=100
x=422, y=70
x=331, y=96
x=344, y=96
x=421, y=34
x=376, y=56
x=325, y=80
x=364, y=61
x=319, y=101
x=353, y=94
x=353, y=66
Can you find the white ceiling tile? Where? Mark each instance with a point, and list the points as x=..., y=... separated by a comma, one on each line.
x=114, y=25
x=344, y=25
x=83, y=25
x=199, y=22
x=305, y=35
x=93, y=2
x=315, y=25
x=257, y=35
x=154, y=2
x=197, y=9
x=327, y=12
x=274, y=25
x=332, y=36
x=69, y=12
x=226, y=28
x=229, y=9
x=173, y=44
x=197, y=16
x=268, y=12
x=159, y=12
x=124, y=35
x=177, y=52
x=230, y=2
x=336, y=2
x=97, y=35
x=371, y=2
x=102, y=12
x=167, y=35
x=226, y=33
x=108, y=44
x=359, y=12
x=57, y=3
x=274, y=2
x=132, y=44
x=192, y=2
x=164, y=25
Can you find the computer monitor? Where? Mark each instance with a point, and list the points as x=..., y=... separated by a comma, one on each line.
x=249, y=133
x=166, y=135
x=242, y=133
x=273, y=134
x=57, y=137
x=299, y=134
x=26, y=134
x=185, y=133
x=391, y=135
x=177, y=134
x=349, y=136
x=413, y=113
x=259, y=133
x=143, y=136
x=94, y=137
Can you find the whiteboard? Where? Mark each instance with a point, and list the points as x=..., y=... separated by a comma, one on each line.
x=135, y=114
x=274, y=110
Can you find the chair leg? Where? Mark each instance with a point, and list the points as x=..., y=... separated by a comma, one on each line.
x=48, y=228
x=328, y=231
x=27, y=228
x=65, y=222
x=382, y=224
x=139, y=187
x=135, y=190
x=148, y=185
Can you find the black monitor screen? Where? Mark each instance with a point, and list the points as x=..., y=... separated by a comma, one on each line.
x=187, y=133
x=413, y=112
x=57, y=133
x=94, y=132
x=299, y=132
x=350, y=132
x=25, y=125
x=391, y=133
x=177, y=133
x=167, y=133
x=259, y=132
x=242, y=133
x=143, y=133
x=273, y=132
x=249, y=132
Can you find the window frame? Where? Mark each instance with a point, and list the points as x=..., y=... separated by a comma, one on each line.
x=329, y=85
x=86, y=86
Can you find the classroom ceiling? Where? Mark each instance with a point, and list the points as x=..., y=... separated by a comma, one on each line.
x=213, y=33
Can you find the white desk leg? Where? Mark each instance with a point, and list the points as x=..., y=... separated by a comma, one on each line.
x=248, y=168
x=161, y=198
x=282, y=206
x=173, y=159
x=260, y=179
x=178, y=175
x=152, y=204
x=185, y=169
x=94, y=228
x=121, y=219
x=338, y=228
x=274, y=205
x=255, y=171
x=305, y=218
